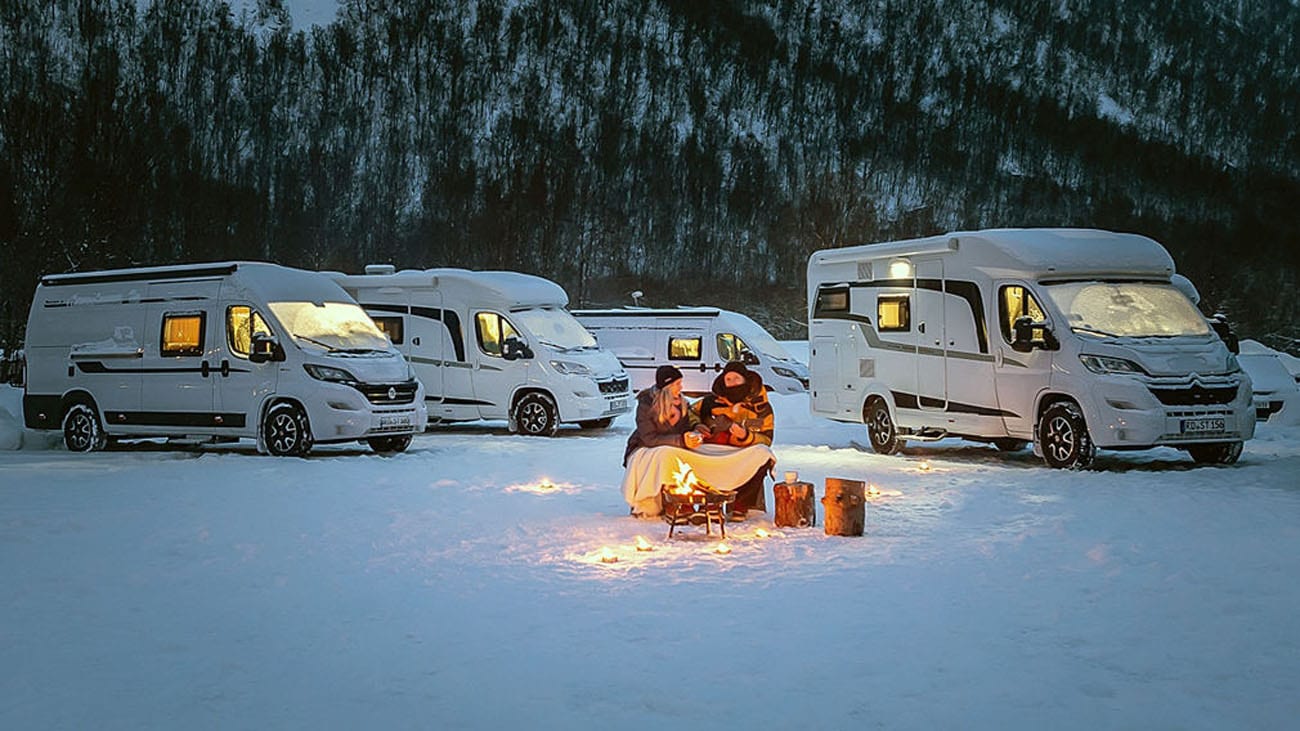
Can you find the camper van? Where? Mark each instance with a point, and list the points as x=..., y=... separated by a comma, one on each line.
x=697, y=340
x=494, y=345
x=1067, y=338
x=218, y=351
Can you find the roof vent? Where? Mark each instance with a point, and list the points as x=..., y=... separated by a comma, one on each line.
x=380, y=269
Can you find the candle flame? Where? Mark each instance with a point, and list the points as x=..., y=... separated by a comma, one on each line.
x=761, y=533
x=722, y=549
x=643, y=545
x=925, y=466
x=873, y=491
x=607, y=555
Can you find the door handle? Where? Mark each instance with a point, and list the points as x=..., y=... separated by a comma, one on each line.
x=205, y=369
x=225, y=368
x=921, y=328
x=415, y=341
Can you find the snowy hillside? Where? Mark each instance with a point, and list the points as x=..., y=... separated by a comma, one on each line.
x=166, y=587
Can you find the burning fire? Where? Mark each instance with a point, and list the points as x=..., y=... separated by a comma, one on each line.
x=684, y=479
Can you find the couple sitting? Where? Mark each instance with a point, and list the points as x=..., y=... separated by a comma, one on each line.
x=724, y=437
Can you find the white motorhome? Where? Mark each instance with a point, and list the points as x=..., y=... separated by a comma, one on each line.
x=1071, y=339
x=494, y=345
x=697, y=340
x=223, y=350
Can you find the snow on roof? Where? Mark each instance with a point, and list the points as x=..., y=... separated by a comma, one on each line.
x=511, y=289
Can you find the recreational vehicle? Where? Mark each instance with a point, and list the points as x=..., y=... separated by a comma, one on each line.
x=494, y=345
x=697, y=340
x=224, y=350
x=1070, y=339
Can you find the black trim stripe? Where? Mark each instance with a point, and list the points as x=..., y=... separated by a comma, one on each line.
x=912, y=401
x=174, y=418
x=94, y=366
x=57, y=280
x=457, y=401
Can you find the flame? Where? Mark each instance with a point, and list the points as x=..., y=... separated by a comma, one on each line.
x=761, y=533
x=684, y=479
x=607, y=555
x=546, y=484
x=873, y=491
x=925, y=466
x=722, y=549
x=643, y=545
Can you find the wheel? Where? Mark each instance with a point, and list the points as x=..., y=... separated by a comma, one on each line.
x=286, y=431
x=1010, y=445
x=597, y=423
x=536, y=415
x=1063, y=437
x=82, y=431
x=880, y=428
x=390, y=445
x=1226, y=453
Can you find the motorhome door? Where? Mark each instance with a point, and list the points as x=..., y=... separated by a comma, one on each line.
x=1020, y=376
x=242, y=384
x=929, y=301
x=496, y=378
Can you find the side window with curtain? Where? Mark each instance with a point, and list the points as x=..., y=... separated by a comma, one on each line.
x=1014, y=302
x=182, y=334
x=241, y=322
x=492, y=330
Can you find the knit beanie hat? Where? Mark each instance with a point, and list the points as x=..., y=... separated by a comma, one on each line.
x=666, y=374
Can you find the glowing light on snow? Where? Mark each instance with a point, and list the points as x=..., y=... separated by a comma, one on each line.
x=723, y=549
x=643, y=545
x=607, y=555
x=761, y=533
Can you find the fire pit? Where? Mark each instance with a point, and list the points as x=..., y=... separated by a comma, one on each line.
x=690, y=502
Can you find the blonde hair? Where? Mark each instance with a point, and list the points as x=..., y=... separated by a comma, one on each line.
x=664, y=409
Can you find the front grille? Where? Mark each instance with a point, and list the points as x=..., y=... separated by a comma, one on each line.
x=618, y=385
x=388, y=394
x=1197, y=395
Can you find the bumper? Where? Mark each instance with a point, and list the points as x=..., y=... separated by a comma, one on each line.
x=342, y=414
x=603, y=406
x=1124, y=412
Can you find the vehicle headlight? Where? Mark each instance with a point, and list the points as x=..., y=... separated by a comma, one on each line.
x=1108, y=365
x=328, y=373
x=780, y=371
x=569, y=368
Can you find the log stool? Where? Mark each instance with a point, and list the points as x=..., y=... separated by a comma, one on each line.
x=845, y=504
x=794, y=504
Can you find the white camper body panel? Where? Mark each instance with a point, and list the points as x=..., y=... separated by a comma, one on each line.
x=155, y=352
x=446, y=322
x=927, y=326
x=697, y=340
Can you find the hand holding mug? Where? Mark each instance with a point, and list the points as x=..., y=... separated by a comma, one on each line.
x=693, y=439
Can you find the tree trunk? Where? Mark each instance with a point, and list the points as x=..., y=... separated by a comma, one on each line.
x=845, y=505
x=794, y=505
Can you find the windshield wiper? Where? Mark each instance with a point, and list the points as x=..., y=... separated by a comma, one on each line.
x=1092, y=331
x=328, y=348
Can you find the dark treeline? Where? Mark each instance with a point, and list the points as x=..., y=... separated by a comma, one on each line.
x=617, y=143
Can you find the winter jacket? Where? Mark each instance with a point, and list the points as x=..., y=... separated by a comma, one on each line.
x=746, y=405
x=650, y=433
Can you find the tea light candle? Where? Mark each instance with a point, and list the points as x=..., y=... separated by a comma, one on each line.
x=607, y=555
x=722, y=549
x=643, y=545
x=791, y=477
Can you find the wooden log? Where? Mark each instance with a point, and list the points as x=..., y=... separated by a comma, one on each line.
x=794, y=504
x=845, y=506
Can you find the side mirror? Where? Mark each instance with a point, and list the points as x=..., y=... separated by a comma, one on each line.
x=1022, y=339
x=1219, y=323
x=513, y=349
x=748, y=358
x=265, y=348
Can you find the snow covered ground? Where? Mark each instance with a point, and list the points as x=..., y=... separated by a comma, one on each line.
x=171, y=587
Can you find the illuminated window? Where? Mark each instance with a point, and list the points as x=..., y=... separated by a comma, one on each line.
x=731, y=347
x=493, y=330
x=182, y=334
x=1014, y=302
x=390, y=326
x=241, y=322
x=684, y=348
x=894, y=313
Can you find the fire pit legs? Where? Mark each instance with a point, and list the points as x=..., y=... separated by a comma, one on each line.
x=679, y=508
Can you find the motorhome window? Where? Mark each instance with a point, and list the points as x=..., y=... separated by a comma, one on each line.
x=555, y=327
x=894, y=313
x=330, y=325
x=731, y=347
x=684, y=348
x=493, y=330
x=1014, y=302
x=1127, y=309
x=390, y=326
x=182, y=334
x=831, y=300
x=241, y=322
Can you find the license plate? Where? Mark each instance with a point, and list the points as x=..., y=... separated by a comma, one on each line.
x=388, y=422
x=1203, y=426
x=618, y=405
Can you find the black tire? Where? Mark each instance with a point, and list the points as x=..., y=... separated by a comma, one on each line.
x=389, y=445
x=597, y=423
x=536, y=416
x=1226, y=453
x=880, y=428
x=1063, y=437
x=82, y=430
x=285, y=431
x=1010, y=445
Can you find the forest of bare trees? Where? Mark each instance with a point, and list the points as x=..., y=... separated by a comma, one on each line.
x=673, y=146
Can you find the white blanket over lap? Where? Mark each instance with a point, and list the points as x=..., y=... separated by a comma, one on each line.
x=717, y=465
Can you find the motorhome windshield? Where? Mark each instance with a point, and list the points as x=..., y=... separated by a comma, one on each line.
x=1127, y=309
x=332, y=325
x=761, y=341
x=556, y=328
